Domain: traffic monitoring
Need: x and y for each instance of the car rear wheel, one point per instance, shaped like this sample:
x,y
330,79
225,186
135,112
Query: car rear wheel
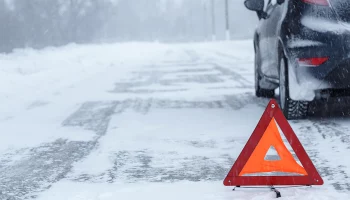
x,y
260,92
291,109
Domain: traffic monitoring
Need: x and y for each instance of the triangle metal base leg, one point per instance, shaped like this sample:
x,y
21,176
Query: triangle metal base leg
x,y
278,193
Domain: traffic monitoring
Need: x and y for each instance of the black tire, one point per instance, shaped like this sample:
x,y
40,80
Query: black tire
x,y
291,109
260,92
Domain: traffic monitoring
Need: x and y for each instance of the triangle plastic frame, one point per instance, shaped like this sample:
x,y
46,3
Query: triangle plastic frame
x,y
273,111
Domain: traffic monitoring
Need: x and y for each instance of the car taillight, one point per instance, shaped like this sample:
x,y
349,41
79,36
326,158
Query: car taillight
x,y
317,2
312,62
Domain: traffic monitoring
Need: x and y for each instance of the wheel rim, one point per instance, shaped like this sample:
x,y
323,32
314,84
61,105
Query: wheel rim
x,y
282,84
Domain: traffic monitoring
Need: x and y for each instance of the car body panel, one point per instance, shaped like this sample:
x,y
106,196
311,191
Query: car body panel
x,y
302,30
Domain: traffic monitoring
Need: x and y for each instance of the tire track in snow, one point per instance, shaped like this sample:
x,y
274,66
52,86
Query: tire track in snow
x,y
234,75
325,147
144,82
231,102
44,165
207,169
195,71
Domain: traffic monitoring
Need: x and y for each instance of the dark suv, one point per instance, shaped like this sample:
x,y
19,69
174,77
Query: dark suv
x,y
302,47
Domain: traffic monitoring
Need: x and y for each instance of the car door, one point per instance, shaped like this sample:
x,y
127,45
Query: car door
x,y
269,29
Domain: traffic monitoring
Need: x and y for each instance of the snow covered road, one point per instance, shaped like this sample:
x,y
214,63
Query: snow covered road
x,y
143,120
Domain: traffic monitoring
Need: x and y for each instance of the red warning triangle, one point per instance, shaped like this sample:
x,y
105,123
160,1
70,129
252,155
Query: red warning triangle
x,y
252,158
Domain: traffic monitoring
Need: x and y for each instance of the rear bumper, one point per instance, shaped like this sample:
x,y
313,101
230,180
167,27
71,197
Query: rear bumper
x,y
306,82
339,77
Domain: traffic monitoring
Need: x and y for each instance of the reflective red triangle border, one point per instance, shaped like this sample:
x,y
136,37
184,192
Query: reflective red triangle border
x,y
273,111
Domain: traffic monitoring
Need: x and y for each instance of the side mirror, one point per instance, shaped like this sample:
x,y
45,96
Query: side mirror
x,y
254,5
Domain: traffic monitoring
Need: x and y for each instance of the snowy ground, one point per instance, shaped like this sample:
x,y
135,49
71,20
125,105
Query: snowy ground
x,y
150,121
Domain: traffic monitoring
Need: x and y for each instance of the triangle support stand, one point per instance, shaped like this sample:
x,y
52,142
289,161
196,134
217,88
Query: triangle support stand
x,y
272,188
278,193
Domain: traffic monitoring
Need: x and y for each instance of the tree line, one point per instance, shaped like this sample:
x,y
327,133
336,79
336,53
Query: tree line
x,y
40,23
